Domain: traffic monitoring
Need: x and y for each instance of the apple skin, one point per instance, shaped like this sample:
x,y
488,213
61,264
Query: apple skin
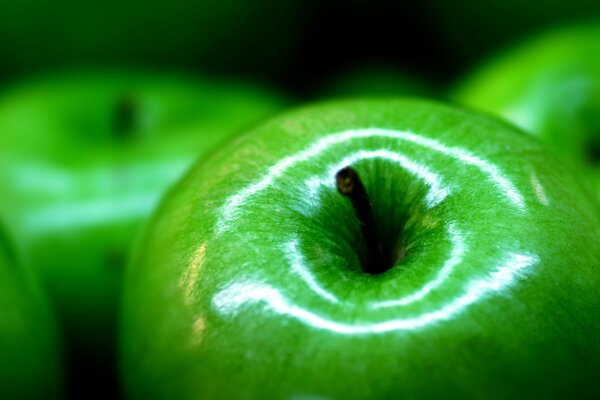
x,y
31,364
550,87
75,190
252,286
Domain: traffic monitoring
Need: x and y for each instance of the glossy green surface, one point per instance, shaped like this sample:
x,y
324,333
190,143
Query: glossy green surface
x,y
549,86
30,361
76,185
251,287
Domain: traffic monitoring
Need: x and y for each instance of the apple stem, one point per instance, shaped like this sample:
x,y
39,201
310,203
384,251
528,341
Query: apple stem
x,y
124,116
350,185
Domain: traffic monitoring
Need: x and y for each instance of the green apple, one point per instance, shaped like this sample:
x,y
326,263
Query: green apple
x,y
30,361
261,283
550,87
373,81
84,159
251,36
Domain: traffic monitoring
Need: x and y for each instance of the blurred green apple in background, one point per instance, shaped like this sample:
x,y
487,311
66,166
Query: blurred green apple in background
x,y
373,81
85,158
30,355
550,87
248,36
261,285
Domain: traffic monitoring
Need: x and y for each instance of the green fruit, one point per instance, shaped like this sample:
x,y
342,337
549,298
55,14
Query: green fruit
x,y
242,35
254,286
85,158
374,81
549,86
30,361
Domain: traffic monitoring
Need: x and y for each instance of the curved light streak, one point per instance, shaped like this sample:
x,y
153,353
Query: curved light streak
x,y
230,299
90,212
50,180
437,191
109,200
495,175
299,268
456,256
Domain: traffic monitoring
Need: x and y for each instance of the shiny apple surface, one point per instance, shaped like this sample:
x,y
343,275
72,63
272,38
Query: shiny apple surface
x,y
249,282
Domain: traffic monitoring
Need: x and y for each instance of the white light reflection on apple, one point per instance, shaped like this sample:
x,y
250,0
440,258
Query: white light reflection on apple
x,y
245,292
492,171
458,248
456,256
45,179
90,212
299,267
96,195
230,299
437,191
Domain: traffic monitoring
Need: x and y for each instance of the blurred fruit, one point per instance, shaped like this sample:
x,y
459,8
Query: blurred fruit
x,y
85,158
549,86
259,286
30,357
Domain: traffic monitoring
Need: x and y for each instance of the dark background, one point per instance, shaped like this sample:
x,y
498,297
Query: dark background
x,y
294,45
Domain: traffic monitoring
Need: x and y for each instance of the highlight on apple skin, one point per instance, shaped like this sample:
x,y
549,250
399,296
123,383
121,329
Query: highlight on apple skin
x,y
250,281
